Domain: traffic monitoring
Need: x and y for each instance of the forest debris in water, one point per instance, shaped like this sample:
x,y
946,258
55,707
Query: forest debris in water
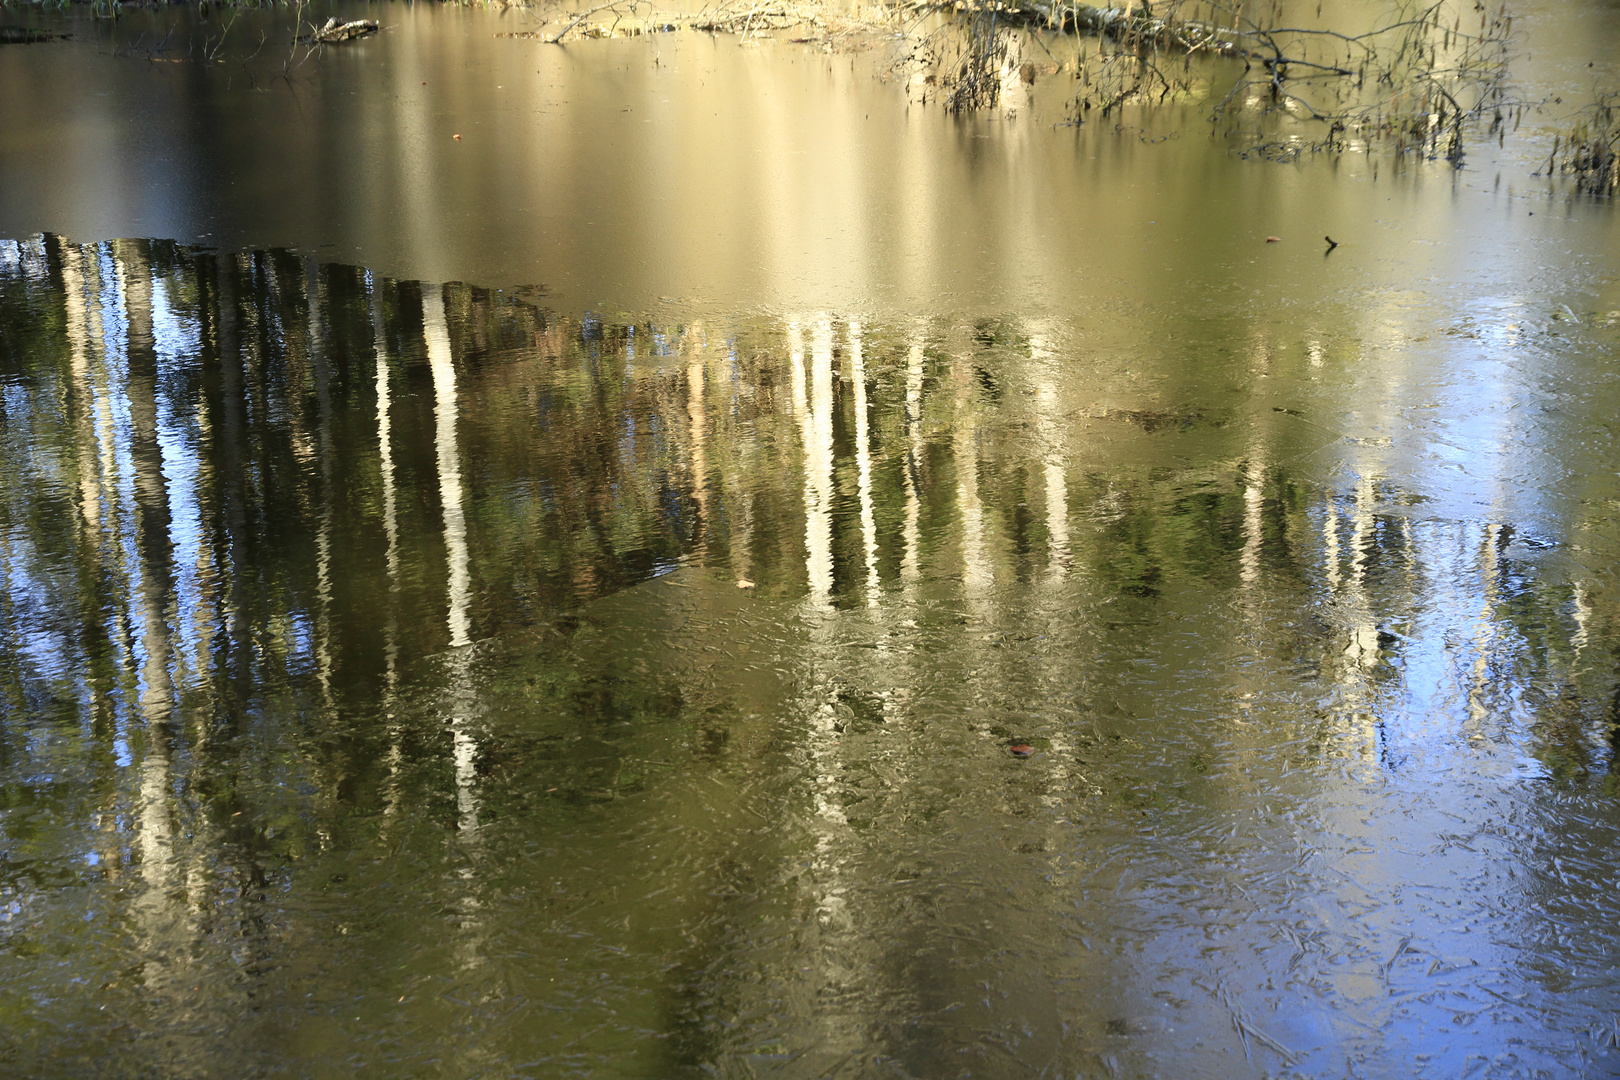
x,y
747,17
1590,151
25,35
1416,80
334,32
1133,21
1413,80
624,23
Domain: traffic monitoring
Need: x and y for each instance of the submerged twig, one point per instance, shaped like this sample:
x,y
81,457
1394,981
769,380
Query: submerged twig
x,y
583,15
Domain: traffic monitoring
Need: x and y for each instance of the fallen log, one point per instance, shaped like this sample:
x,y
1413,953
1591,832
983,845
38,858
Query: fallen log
x,y
335,33
25,35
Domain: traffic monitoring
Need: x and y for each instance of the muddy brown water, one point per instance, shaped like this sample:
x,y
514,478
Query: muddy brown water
x,y
611,667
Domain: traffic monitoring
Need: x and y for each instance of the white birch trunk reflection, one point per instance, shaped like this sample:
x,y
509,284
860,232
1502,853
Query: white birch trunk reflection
x,y
1362,649
977,574
390,515
911,556
799,393
231,330
1330,549
863,464
149,527
390,497
458,583
108,404
1360,653
81,393
1476,723
698,430
1049,414
163,925
819,467
447,450
315,296
1581,611
1254,504
834,919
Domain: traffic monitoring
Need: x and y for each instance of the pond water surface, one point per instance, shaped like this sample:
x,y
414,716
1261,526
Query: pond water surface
x,y
845,592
